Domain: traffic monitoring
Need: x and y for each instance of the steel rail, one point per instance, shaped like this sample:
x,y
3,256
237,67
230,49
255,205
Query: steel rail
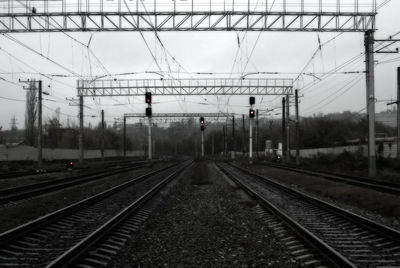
x,y
334,257
17,232
82,247
389,237
32,190
384,187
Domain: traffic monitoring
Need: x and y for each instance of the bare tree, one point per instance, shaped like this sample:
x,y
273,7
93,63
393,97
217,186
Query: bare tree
x,y
30,115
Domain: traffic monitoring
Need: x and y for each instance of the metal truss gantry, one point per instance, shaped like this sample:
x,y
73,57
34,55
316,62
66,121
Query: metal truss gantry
x,y
191,15
138,87
173,117
181,115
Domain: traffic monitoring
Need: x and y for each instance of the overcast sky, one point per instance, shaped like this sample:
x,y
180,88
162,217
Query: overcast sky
x,y
210,52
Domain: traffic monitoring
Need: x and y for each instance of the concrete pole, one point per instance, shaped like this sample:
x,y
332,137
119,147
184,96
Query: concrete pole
x,y
250,141
212,145
243,136
287,129
283,128
233,134
226,140
297,128
223,140
370,71
149,136
398,113
102,135
124,136
257,133
202,144
40,124
81,129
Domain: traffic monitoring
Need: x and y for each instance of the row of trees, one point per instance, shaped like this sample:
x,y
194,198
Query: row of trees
x,y
184,137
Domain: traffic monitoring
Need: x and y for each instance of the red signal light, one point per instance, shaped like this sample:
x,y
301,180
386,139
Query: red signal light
x,y
251,113
148,97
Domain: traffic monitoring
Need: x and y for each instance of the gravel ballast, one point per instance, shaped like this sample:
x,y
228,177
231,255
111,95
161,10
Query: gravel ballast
x,y
377,206
205,221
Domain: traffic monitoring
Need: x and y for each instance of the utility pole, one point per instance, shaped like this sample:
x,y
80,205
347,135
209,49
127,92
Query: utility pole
x,y
257,133
40,124
124,136
398,113
223,140
212,145
233,135
149,114
149,140
283,128
226,140
287,129
202,144
243,135
202,127
102,135
250,141
81,152
370,76
297,128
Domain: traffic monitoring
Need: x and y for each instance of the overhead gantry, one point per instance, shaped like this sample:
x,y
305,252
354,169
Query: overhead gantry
x,y
202,15
174,116
191,15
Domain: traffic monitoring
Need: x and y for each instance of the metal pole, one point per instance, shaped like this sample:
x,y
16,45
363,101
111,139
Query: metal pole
x,y
40,125
283,128
81,129
257,133
287,129
223,140
202,144
149,136
297,128
102,135
398,113
243,136
369,54
233,134
124,136
212,148
250,141
226,140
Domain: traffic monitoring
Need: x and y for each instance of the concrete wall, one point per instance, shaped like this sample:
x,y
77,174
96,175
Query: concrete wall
x,y
30,153
389,150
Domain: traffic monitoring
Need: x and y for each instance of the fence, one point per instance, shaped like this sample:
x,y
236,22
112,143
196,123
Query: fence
x,y
30,153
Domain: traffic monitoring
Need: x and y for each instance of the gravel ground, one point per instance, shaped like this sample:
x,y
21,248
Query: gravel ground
x,y
377,206
205,222
14,214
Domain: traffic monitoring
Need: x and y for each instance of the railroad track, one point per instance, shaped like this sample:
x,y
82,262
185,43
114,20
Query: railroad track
x,y
385,187
17,174
31,190
342,237
63,235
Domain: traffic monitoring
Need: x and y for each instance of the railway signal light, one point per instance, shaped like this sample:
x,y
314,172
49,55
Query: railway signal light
x,y
252,100
202,120
148,97
202,128
251,113
148,111
69,164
